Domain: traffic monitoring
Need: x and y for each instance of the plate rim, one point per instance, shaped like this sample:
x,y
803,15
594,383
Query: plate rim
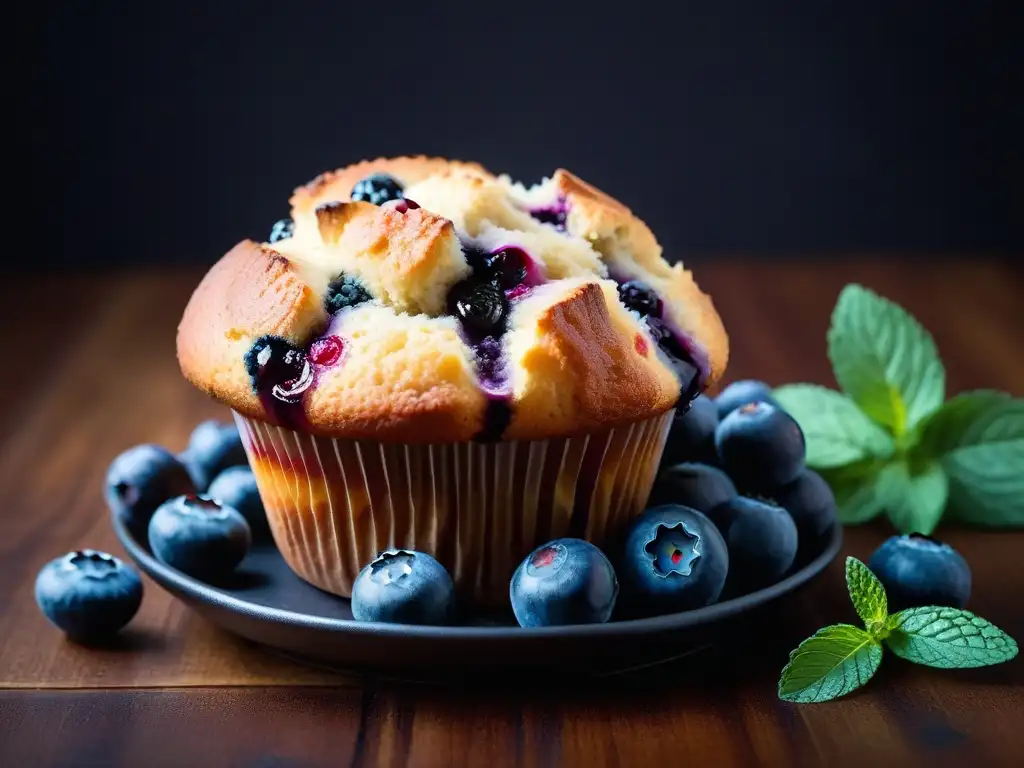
x,y
210,595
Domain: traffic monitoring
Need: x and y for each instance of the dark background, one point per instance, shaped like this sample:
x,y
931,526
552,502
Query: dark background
x,y
166,132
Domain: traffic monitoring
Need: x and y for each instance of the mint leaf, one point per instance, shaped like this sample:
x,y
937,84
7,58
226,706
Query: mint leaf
x,y
949,638
915,502
835,661
837,432
885,360
858,502
868,595
979,439
866,489
858,495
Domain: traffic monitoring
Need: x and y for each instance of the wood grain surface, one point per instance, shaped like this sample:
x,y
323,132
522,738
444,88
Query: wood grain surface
x,y
89,370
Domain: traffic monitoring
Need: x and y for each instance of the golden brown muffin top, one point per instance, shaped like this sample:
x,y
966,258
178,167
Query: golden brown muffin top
x,y
425,300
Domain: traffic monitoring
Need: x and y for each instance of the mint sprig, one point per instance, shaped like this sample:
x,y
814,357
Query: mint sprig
x,y
841,658
889,443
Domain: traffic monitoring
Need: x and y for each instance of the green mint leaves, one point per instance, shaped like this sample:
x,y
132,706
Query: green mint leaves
x,y
980,439
867,594
884,360
839,659
837,432
914,501
889,443
949,638
835,661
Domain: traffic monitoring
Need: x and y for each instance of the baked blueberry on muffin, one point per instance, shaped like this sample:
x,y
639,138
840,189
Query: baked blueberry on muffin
x,y
430,357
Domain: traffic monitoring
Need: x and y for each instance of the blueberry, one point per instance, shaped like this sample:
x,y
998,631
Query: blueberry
x,y
278,368
235,487
919,570
213,447
479,261
140,480
345,291
282,230
378,189
685,369
742,392
692,436
762,540
760,446
403,587
697,486
199,537
675,559
508,267
566,581
480,306
810,502
89,595
640,298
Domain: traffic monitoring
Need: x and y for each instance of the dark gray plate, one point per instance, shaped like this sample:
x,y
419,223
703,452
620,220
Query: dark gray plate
x,y
267,603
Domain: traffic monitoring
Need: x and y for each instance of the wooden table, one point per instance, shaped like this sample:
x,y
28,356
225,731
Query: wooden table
x,y
89,369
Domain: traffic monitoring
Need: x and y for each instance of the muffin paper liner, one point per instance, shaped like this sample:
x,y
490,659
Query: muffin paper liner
x,y
479,508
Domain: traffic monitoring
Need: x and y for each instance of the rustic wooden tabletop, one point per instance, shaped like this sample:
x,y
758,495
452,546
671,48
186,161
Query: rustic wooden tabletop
x,y
90,369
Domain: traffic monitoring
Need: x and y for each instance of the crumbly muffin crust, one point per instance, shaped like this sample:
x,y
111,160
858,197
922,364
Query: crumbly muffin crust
x,y
406,360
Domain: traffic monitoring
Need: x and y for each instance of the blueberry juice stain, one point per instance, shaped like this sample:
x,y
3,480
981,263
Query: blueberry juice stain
x,y
494,379
482,303
507,267
644,300
555,214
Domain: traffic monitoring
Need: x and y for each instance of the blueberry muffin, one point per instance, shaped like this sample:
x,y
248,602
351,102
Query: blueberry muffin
x,y
429,356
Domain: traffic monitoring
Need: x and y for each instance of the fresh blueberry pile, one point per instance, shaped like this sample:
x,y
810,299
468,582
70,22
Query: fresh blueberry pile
x,y
91,595
739,460
206,529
